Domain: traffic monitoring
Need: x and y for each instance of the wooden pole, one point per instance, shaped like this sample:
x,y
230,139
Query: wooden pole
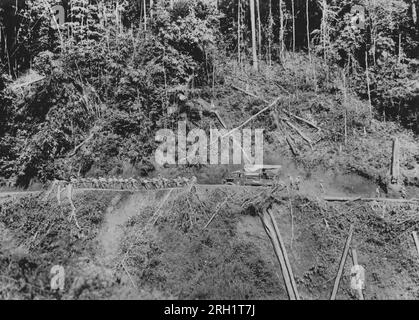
x,y
342,263
395,163
355,263
415,237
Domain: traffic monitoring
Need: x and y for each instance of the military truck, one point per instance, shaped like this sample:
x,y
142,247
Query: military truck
x,y
254,175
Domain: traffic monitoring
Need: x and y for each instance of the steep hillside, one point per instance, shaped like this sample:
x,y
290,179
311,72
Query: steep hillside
x,y
203,245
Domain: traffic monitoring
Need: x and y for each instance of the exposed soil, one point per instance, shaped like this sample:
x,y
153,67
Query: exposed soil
x,y
156,245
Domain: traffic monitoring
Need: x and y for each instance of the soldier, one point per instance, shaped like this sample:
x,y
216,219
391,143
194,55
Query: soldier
x,y
79,182
160,181
121,182
137,183
147,184
2,182
166,183
291,182
131,183
82,182
96,183
173,183
151,183
194,180
74,182
11,182
179,181
156,183
377,192
297,183
403,192
102,183
185,181
142,183
112,182
108,183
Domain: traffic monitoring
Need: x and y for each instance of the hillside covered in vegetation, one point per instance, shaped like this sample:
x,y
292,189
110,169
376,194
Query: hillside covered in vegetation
x,y
87,97
85,85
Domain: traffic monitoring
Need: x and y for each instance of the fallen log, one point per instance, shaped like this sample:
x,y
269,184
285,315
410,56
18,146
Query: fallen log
x,y
342,263
345,199
289,114
300,133
247,92
81,145
272,104
287,137
220,119
284,253
292,147
302,119
216,212
270,231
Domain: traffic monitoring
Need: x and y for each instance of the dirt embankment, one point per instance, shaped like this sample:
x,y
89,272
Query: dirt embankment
x,y
202,245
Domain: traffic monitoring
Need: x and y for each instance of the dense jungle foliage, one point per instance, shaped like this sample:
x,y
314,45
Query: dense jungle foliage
x,y
87,97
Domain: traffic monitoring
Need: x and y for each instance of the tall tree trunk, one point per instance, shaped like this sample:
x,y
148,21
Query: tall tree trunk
x,y
259,30
270,35
281,29
399,59
308,30
253,25
238,31
145,14
324,29
151,8
368,83
293,25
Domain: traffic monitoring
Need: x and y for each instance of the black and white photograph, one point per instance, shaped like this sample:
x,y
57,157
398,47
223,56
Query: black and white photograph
x,y
231,152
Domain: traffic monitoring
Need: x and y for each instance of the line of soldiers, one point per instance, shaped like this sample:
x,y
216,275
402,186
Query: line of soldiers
x,y
7,183
130,183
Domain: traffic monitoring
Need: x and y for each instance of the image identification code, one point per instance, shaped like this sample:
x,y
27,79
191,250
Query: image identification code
x,y
212,309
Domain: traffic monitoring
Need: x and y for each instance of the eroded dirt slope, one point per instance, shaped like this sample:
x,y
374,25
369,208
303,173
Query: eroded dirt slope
x,y
202,245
